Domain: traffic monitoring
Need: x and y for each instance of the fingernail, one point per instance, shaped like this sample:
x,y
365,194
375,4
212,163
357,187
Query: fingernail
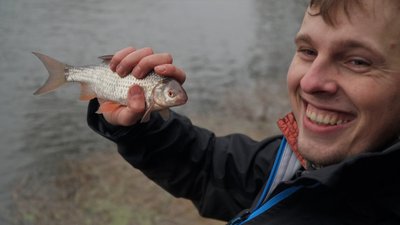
x,y
120,70
112,66
135,91
160,69
137,72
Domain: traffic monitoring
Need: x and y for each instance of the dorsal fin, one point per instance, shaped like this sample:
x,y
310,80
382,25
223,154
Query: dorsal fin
x,y
106,58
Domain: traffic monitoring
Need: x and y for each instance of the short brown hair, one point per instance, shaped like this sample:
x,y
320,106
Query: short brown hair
x,y
328,8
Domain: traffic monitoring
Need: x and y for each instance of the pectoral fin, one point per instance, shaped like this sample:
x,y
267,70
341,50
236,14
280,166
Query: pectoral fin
x,y
165,114
146,116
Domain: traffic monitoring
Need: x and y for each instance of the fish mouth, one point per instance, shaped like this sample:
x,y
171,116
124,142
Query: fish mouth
x,y
180,99
327,117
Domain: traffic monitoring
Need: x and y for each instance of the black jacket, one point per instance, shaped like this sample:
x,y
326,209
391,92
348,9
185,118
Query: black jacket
x,y
222,176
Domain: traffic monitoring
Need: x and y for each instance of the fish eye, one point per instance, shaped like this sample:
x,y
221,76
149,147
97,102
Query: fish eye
x,y
171,93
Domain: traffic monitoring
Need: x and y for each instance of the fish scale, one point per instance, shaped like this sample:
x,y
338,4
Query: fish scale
x,y
108,85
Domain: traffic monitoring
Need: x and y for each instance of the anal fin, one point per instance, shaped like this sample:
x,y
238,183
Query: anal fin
x,y
108,106
86,93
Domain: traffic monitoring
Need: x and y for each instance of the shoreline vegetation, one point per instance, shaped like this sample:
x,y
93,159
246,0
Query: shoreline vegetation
x,y
100,188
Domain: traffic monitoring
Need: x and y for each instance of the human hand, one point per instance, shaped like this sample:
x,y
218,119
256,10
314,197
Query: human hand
x,y
138,63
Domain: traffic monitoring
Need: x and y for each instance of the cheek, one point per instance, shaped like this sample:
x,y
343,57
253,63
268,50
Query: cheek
x,y
379,108
393,111
293,78
373,96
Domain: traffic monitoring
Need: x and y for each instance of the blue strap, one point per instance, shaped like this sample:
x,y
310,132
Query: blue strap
x,y
273,201
272,173
261,207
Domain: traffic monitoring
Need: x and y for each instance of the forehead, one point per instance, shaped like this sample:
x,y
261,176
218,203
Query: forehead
x,y
372,17
333,11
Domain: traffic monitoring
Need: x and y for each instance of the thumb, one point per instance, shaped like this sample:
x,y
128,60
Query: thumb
x,y
133,112
136,100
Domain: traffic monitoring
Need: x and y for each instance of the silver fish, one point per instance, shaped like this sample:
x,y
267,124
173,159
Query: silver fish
x,y
99,81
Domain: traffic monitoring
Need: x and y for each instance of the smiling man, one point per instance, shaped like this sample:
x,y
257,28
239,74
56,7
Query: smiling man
x,y
344,81
338,158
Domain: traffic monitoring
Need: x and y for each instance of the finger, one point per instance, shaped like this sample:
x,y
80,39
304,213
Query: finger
x,y
135,107
172,71
131,60
112,117
130,114
146,64
118,56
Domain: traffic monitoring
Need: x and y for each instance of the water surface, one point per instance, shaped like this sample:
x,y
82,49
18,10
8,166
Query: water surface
x,y
227,46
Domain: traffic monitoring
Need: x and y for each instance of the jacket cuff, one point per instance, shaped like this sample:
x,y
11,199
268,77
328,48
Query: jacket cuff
x,y
115,133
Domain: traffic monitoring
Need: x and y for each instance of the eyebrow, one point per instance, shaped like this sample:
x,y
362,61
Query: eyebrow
x,y
302,38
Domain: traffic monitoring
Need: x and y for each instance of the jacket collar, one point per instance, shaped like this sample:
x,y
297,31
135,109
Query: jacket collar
x,y
289,129
371,175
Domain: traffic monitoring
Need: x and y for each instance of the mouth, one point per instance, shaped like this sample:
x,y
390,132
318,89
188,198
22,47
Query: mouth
x,y
324,117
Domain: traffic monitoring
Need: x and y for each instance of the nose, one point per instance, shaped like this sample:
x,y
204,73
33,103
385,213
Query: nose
x,y
320,77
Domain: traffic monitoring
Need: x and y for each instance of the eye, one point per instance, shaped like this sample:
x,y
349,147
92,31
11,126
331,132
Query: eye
x,y
171,93
359,62
359,65
307,53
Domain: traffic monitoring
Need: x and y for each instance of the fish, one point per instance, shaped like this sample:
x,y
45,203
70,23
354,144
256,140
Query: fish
x,y
99,81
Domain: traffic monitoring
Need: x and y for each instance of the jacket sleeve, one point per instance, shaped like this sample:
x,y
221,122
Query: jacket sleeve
x,y
220,175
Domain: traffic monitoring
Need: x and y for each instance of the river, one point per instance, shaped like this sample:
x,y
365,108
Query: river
x,y
226,47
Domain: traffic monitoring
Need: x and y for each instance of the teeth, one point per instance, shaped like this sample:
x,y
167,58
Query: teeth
x,y
320,118
327,120
313,116
324,118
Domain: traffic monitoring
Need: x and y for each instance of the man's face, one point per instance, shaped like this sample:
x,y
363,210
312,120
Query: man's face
x,y
344,82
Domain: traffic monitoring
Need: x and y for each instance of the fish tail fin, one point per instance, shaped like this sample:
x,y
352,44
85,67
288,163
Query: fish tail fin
x,y
56,71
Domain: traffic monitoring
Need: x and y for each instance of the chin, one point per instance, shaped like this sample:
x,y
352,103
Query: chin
x,y
320,154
